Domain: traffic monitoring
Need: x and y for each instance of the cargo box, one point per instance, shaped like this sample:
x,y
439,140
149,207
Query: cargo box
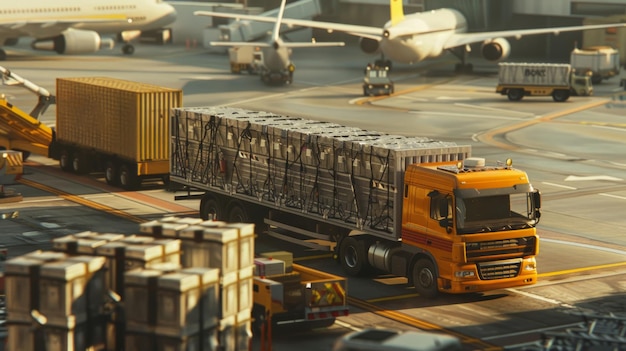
x,y
114,116
178,304
229,294
140,286
63,285
264,267
210,294
538,74
245,277
284,256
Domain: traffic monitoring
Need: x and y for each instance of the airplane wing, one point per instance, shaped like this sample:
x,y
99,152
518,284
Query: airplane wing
x,y
356,30
313,44
239,44
460,39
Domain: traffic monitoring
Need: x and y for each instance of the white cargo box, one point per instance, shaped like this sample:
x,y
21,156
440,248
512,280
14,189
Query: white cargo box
x,y
538,74
284,256
264,267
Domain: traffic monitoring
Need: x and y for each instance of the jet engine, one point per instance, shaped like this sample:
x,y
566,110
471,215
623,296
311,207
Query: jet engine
x,y
369,46
73,41
496,49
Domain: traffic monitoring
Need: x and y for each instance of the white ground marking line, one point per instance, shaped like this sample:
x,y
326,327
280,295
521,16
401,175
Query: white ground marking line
x,y
494,109
573,178
613,196
538,330
40,200
540,298
465,115
586,246
346,325
559,185
610,128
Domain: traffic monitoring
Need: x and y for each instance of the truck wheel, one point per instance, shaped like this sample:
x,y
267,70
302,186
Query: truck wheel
x,y
210,207
79,164
65,161
425,278
110,173
237,213
353,256
128,179
560,95
515,94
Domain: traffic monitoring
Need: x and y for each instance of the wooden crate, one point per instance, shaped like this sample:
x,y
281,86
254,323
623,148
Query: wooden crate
x,y
245,281
229,295
140,286
178,304
246,243
62,291
209,298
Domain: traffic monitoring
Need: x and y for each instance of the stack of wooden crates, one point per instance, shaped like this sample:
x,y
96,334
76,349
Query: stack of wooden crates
x,y
183,284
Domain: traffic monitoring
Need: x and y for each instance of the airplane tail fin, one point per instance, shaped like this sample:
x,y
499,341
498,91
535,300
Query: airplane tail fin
x,y
281,12
396,10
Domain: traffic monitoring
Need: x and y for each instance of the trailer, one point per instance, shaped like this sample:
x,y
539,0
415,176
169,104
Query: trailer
x,y
516,80
244,58
113,126
411,206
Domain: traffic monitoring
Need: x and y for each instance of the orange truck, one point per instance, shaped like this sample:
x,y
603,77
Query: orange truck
x,y
414,207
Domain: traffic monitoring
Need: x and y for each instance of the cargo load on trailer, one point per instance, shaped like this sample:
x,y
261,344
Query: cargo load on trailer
x,y
415,207
516,80
601,62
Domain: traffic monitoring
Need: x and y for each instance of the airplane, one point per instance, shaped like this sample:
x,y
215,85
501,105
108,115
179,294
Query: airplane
x,y
419,36
74,26
276,66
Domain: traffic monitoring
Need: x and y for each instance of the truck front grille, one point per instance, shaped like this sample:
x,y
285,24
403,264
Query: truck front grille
x,y
499,269
506,248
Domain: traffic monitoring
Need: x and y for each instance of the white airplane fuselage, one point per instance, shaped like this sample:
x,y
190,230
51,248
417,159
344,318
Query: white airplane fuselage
x,y
420,36
47,18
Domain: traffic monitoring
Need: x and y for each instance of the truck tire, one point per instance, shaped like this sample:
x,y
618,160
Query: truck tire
x,y
110,173
425,278
560,95
515,94
237,213
65,161
128,179
210,208
79,164
353,256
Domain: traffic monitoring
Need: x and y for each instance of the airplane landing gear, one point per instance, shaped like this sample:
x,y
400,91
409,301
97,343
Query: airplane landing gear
x,y
128,49
462,53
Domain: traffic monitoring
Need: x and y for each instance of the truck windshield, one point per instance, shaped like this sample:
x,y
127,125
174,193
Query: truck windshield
x,y
489,210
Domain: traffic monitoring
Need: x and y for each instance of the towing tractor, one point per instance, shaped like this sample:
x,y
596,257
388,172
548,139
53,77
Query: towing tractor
x,y
376,81
517,80
411,206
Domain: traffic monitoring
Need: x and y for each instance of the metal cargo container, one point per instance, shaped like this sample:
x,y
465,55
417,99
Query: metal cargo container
x,y
552,74
115,126
349,177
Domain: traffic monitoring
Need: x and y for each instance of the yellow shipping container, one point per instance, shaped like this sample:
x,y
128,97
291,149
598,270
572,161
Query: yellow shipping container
x,y
116,126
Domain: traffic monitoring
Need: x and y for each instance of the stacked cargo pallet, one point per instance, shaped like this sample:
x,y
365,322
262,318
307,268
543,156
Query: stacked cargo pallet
x,y
108,291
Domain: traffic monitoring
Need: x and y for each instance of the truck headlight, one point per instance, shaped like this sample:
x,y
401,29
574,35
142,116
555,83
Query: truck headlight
x,y
530,266
464,274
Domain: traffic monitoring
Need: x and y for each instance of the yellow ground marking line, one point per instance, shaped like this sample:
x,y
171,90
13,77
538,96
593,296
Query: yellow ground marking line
x,y
82,201
488,137
583,269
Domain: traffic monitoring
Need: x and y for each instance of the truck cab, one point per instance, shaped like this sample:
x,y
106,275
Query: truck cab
x,y
581,84
376,81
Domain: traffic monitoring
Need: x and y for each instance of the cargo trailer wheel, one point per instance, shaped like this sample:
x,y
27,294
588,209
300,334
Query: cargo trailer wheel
x,y
65,161
560,95
237,213
210,208
515,94
425,278
353,256
128,179
110,173
79,164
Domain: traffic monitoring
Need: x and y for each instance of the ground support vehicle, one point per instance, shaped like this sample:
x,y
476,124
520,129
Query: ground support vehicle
x,y
601,62
516,80
11,169
23,131
273,77
113,126
303,296
376,81
414,207
243,59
